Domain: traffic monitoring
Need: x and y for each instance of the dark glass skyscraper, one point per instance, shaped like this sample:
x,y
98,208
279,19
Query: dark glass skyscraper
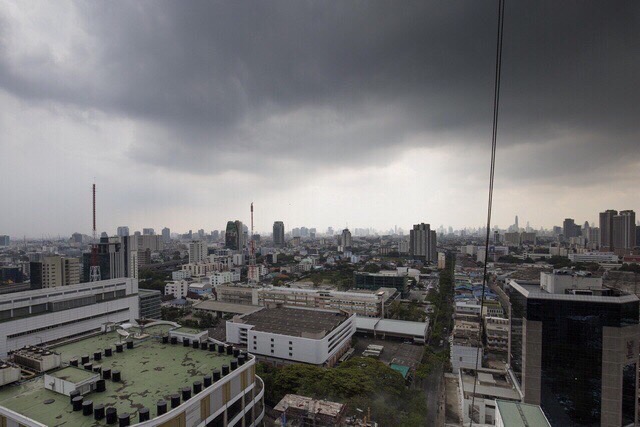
x,y
575,352
278,233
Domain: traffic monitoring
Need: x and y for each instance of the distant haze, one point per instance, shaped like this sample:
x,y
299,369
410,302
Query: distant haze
x,y
371,114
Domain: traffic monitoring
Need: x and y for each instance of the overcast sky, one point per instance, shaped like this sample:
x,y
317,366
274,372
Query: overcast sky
x,y
371,114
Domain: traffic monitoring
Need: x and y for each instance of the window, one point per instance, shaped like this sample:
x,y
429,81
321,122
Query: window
x,y
290,354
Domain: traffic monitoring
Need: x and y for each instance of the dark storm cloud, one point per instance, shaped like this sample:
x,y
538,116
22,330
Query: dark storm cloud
x,y
318,84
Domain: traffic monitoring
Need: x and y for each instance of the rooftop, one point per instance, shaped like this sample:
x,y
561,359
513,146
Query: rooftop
x,y
294,321
307,404
535,291
225,307
150,371
516,414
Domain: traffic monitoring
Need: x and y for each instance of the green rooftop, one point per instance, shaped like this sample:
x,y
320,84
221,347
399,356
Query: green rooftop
x,y
72,374
516,414
150,371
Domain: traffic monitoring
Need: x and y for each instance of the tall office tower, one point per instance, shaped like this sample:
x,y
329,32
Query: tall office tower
x,y
586,229
516,224
330,231
594,237
54,271
606,229
278,233
345,238
422,242
624,231
240,230
215,235
166,234
4,240
123,231
111,259
569,228
304,232
234,235
496,237
148,232
197,251
201,234
574,349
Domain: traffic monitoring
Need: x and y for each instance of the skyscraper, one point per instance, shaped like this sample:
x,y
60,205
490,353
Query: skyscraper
x,y
278,233
234,234
606,229
574,349
166,235
111,259
569,228
422,242
123,231
148,232
55,271
624,231
345,239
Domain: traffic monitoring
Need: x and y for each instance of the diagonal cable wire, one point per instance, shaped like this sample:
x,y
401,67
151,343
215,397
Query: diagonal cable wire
x,y
494,136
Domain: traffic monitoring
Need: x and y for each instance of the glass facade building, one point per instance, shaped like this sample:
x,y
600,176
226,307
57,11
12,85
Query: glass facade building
x,y
574,355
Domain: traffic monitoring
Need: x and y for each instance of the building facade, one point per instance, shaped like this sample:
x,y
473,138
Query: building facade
x,y
575,352
197,251
150,304
278,233
422,242
54,271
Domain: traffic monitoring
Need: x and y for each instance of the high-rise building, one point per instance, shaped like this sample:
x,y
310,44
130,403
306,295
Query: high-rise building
x,y
422,242
345,239
111,259
4,240
606,229
55,271
148,232
594,237
166,235
624,231
278,233
569,228
234,235
574,349
197,251
215,235
123,231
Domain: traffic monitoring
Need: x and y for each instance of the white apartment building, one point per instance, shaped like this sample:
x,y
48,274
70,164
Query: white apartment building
x,y
293,335
180,275
43,315
221,277
497,331
562,281
238,259
364,303
177,288
597,257
200,269
197,251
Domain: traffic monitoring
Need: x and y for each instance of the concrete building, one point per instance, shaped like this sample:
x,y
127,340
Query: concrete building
x,y
208,384
43,315
305,411
222,309
383,279
166,235
238,294
293,335
363,303
442,260
150,302
178,288
497,331
148,232
278,233
595,257
111,259
200,288
482,388
123,231
569,228
624,232
606,229
5,240
345,239
516,414
221,277
394,329
197,251
54,271
422,242
466,345
234,235
574,349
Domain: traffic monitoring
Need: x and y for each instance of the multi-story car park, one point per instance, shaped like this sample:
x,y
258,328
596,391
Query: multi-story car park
x,y
153,376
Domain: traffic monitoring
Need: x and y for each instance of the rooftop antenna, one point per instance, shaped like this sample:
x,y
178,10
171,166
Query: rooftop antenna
x,y
94,274
253,269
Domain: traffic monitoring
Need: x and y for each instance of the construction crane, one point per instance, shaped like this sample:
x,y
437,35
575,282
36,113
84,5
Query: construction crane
x,y
94,272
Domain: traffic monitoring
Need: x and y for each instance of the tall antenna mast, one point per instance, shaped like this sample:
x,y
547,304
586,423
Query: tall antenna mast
x,y
253,269
94,273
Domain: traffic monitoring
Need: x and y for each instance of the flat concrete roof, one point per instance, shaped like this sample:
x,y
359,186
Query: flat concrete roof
x,y
516,414
294,321
72,374
150,371
226,307
392,326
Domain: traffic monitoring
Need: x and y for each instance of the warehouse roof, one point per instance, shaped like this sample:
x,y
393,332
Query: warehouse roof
x,y
293,321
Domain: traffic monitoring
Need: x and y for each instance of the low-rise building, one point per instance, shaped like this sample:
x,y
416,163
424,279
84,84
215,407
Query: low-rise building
x,y
383,279
177,288
497,334
238,294
150,304
293,335
303,411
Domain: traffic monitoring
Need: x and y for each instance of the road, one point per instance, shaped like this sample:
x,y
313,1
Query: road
x,y
432,388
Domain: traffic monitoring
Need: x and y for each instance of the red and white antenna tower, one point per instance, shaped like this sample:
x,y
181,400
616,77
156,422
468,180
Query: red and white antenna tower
x,y
253,268
94,274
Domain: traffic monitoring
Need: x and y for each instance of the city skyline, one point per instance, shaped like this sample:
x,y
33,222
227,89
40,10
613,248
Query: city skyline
x,y
341,113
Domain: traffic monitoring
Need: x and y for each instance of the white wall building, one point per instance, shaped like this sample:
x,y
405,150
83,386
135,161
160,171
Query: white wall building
x,y
561,281
42,315
197,251
597,257
294,335
178,288
180,275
